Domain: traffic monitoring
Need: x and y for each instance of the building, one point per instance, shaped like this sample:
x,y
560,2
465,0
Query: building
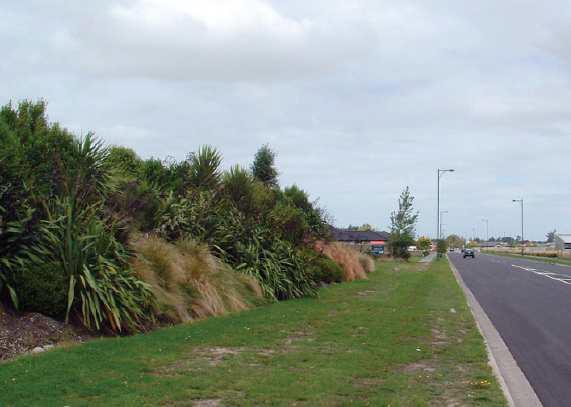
x,y
367,240
563,242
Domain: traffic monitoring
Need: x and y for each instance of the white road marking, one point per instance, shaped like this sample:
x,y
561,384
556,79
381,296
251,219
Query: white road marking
x,y
565,279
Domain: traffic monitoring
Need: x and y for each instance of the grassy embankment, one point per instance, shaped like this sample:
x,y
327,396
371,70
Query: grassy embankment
x,y
403,337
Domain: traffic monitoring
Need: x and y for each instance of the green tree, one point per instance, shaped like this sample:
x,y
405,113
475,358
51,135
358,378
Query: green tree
x,y
441,247
454,241
551,236
205,168
424,243
263,167
403,223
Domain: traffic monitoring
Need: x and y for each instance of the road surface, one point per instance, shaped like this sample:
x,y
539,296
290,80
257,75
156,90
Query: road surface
x,y
529,303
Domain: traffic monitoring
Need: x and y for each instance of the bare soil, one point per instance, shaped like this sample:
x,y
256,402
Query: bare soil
x,y
24,333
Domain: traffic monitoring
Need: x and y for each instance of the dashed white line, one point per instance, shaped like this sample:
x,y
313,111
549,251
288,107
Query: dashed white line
x,y
563,279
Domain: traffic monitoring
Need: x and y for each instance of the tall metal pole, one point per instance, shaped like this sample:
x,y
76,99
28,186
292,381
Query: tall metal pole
x,y
439,172
522,238
438,205
487,229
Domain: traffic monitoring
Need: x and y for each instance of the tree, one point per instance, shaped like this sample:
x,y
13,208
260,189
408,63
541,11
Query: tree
x,y
365,227
263,167
455,241
403,223
551,236
441,247
424,243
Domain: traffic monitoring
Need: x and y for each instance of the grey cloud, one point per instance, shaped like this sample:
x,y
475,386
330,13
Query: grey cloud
x,y
358,98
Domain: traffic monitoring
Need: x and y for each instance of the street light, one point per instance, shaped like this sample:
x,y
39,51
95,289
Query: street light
x,y
440,172
441,221
521,202
487,229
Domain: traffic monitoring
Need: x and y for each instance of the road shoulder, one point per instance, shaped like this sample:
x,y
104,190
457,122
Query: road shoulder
x,y
513,382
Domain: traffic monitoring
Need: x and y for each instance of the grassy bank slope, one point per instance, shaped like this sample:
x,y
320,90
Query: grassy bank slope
x,y
403,337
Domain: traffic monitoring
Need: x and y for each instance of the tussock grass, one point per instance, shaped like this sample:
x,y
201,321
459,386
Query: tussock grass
x,y
367,262
189,282
347,257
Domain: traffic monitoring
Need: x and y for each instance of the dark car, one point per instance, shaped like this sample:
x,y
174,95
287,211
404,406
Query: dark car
x,y
469,253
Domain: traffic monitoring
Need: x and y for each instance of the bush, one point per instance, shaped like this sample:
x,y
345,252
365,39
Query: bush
x,y
367,262
43,288
325,270
102,292
189,282
344,256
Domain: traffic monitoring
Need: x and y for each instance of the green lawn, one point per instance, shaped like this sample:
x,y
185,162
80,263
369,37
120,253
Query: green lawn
x,y
404,337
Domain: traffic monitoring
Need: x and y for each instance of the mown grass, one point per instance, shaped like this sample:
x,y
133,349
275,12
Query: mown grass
x,y
403,337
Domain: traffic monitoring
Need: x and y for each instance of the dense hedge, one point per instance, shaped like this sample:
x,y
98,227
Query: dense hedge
x,y
71,207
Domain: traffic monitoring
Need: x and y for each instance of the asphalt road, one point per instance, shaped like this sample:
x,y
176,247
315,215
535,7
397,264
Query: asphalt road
x,y
529,303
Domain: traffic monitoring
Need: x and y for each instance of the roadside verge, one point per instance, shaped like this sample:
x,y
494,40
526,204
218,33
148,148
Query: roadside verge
x,y
512,380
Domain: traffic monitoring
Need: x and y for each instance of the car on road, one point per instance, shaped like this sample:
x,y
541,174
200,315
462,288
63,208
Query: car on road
x,y
469,253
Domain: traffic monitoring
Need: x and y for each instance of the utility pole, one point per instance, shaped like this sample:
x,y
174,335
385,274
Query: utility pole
x,y
487,229
522,239
439,174
441,221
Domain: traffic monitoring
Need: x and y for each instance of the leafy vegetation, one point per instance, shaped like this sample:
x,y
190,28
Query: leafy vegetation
x,y
403,222
98,236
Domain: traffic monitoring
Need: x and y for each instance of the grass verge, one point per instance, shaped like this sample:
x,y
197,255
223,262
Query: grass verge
x,y
403,337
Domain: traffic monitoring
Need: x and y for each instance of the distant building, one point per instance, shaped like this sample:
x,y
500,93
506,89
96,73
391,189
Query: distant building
x,y
374,241
563,242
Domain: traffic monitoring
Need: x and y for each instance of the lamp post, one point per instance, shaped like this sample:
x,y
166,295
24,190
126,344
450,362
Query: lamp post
x,y
487,229
441,222
439,174
522,240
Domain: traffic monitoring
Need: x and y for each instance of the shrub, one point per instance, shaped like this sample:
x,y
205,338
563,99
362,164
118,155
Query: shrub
x,y
279,268
289,222
42,288
101,290
189,282
323,269
367,262
345,256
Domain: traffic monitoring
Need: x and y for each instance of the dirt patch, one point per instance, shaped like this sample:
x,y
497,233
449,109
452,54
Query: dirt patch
x,y
34,333
368,382
296,337
418,367
439,338
366,293
207,403
198,359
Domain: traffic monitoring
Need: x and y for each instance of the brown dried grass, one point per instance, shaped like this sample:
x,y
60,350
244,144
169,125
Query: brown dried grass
x,y
189,282
367,262
346,257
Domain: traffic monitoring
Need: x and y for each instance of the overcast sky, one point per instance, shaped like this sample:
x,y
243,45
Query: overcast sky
x,y
358,98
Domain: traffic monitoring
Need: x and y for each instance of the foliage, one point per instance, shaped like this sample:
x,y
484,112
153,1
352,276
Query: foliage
x,y
424,244
188,282
69,207
403,222
101,290
124,161
455,241
204,169
278,267
441,247
550,237
344,255
365,227
263,167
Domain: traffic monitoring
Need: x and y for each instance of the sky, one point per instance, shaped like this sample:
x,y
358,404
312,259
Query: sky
x,y
358,98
